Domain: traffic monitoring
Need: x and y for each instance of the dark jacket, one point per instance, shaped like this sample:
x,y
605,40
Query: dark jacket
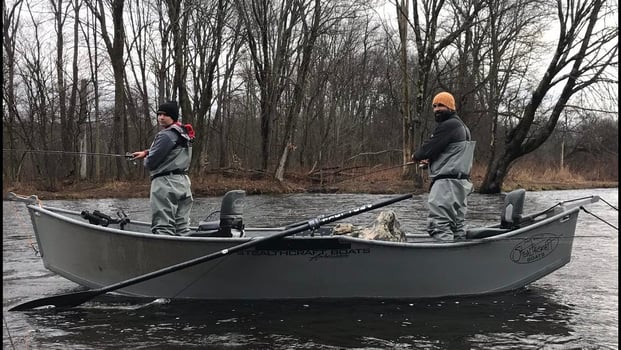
x,y
449,149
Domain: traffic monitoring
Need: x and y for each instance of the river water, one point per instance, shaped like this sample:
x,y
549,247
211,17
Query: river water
x,y
576,307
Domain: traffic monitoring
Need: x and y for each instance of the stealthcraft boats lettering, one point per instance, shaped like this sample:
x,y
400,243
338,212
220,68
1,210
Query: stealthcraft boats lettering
x,y
313,255
534,248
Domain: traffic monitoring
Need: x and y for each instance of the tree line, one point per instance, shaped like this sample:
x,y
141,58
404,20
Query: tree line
x,y
288,85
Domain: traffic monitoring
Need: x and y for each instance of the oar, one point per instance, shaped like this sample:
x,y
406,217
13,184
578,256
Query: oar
x,y
77,298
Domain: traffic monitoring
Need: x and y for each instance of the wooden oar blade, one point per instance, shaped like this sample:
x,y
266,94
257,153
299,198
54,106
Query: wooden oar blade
x,y
58,301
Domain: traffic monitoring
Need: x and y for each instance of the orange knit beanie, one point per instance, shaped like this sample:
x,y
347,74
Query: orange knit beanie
x,y
446,99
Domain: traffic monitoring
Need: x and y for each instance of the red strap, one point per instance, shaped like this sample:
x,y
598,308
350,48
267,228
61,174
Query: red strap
x,y
188,128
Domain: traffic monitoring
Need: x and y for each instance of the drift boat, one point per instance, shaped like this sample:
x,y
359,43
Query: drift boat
x,y
222,260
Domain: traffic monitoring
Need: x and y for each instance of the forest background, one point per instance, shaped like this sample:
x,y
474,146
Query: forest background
x,y
298,95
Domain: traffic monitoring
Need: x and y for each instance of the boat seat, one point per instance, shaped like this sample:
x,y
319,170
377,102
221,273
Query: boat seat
x,y
510,217
231,218
482,232
512,209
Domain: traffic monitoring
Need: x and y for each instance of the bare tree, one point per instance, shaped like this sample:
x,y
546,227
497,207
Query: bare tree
x,y
89,30
224,115
432,36
592,135
38,124
403,10
580,61
269,36
260,78
308,37
210,38
347,88
141,44
162,82
67,92
177,14
10,25
486,64
115,47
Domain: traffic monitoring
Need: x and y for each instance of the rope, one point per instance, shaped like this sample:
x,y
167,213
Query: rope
x,y
597,217
29,200
610,205
31,244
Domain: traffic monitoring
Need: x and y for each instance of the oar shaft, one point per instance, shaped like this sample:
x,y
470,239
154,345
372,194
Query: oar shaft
x,y
361,209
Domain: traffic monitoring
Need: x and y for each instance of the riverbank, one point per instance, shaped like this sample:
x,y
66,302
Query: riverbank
x,y
218,184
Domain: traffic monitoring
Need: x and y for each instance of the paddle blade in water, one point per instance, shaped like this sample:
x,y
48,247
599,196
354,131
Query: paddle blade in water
x,y
59,301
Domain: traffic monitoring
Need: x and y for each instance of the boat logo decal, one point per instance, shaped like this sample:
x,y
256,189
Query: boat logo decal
x,y
311,254
534,248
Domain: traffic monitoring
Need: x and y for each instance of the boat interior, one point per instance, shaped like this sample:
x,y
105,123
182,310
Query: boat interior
x,y
228,221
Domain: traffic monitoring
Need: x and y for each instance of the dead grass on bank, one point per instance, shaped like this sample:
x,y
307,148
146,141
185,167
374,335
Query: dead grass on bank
x,y
80,190
374,180
533,178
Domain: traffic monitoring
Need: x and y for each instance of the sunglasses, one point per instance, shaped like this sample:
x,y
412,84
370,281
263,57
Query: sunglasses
x,y
437,105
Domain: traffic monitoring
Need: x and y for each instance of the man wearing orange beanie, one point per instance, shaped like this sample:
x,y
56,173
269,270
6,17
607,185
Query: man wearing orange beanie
x,y
449,152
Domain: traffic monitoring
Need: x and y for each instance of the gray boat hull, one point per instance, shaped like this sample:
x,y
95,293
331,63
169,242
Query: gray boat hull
x,y
301,267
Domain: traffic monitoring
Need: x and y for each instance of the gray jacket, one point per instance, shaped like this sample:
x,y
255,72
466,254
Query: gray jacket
x,y
171,150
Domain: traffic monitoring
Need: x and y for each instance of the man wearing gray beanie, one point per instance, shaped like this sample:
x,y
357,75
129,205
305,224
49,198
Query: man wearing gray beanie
x,y
168,161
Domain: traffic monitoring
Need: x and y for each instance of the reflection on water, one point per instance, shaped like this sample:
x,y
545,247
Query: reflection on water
x,y
509,318
575,307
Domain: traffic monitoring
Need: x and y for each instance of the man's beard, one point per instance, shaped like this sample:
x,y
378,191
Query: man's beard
x,y
441,116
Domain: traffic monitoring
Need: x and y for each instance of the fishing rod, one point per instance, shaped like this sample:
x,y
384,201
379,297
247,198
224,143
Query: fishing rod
x,y
126,155
420,166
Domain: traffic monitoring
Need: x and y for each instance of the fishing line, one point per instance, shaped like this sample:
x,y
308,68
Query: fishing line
x,y
6,325
373,172
199,277
126,155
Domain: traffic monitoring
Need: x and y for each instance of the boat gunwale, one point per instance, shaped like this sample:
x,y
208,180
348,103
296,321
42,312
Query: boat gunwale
x,y
51,211
511,234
